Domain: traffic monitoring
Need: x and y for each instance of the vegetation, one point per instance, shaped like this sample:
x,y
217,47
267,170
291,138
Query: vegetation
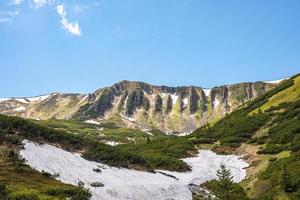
x,y
19,182
224,188
277,114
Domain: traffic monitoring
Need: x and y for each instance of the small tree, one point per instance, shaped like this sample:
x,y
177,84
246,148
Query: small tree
x,y
3,192
284,180
225,183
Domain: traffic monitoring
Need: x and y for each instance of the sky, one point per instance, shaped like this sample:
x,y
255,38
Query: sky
x,y
82,45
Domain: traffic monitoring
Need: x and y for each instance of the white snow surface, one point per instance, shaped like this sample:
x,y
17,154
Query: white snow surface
x,y
111,143
21,100
206,92
276,81
20,109
4,99
174,98
184,134
38,98
216,102
185,102
120,183
92,121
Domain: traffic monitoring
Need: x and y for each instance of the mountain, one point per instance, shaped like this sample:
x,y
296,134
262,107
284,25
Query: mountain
x,y
140,105
268,127
265,130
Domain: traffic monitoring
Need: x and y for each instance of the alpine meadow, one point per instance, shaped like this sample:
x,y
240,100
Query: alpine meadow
x,y
149,100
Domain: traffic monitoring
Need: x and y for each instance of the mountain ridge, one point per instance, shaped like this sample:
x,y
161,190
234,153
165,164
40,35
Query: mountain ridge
x,y
137,104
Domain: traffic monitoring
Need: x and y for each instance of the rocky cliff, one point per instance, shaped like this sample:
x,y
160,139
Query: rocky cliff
x,y
140,105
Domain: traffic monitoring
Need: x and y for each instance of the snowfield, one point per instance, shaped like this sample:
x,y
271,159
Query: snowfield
x,y
120,183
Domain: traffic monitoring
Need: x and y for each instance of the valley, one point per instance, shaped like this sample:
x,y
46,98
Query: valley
x,y
265,130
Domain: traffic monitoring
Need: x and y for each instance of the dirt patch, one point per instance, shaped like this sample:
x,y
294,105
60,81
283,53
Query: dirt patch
x,y
249,153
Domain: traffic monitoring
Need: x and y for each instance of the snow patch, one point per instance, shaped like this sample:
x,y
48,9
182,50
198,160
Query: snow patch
x,y
216,102
276,81
128,118
111,143
206,92
38,98
184,134
4,99
174,98
92,121
20,109
22,100
185,102
120,183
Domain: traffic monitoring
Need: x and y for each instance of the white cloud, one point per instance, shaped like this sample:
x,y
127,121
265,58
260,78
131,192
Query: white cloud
x,y
78,9
16,2
4,19
40,3
71,27
7,16
12,13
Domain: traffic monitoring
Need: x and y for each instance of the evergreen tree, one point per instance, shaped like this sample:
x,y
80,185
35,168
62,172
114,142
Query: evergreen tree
x,y
225,183
284,178
3,192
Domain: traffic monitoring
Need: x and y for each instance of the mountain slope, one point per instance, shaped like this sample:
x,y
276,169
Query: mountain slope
x,y
140,105
272,124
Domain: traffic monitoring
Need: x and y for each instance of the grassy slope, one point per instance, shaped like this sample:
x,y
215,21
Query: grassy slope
x,y
21,180
271,122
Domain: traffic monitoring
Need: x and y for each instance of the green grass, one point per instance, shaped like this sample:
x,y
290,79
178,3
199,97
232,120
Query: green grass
x,y
103,132
288,95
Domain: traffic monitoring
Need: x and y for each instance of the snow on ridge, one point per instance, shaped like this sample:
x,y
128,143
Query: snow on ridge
x,y
120,183
276,81
38,98
22,100
206,91
20,109
4,99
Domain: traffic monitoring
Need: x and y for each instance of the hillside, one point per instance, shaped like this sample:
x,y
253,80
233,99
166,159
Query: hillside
x,y
141,105
267,127
272,124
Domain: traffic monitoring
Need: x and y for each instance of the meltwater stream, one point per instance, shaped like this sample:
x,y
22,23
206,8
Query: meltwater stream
x,y
127,184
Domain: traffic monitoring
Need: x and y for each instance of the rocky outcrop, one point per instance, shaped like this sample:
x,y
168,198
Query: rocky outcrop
x,y
140,105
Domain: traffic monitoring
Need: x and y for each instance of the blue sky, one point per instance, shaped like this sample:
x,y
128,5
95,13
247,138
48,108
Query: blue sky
x,y
79,46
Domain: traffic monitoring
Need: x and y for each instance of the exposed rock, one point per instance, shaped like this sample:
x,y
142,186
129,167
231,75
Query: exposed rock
x,y
170,109
97,170
97,184
80,184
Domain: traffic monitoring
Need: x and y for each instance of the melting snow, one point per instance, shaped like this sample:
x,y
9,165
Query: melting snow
x,y
174,98
92,121
38,98
111,143
207,92
216,102
128,118
22,100
20,109
276,81
185,102
120,183
4,99
184,134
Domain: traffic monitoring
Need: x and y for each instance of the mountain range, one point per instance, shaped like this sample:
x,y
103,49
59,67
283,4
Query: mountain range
x,y
133,104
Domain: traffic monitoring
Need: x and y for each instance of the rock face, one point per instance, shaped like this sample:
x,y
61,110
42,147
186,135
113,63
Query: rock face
x,y
140,105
